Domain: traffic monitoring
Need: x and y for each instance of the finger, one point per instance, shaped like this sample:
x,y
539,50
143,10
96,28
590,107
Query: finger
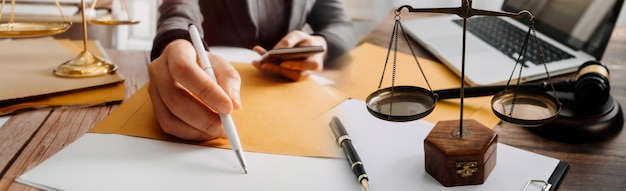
x,y
257,64
292,39
307,64
180,104
295,75
184,69
228,78
173,125
259,49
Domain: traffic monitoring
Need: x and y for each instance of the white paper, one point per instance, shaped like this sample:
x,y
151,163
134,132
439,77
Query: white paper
x,y
236,54
4,119
392,152
393,155
118,162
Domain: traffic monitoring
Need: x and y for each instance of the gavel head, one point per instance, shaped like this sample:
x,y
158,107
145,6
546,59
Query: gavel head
x,y
592,87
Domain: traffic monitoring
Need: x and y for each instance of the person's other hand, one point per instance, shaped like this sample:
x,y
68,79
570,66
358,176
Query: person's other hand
x,y
186,101
294,69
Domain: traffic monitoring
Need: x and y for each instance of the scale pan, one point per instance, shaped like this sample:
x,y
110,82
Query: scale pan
x,y
112,22
403,103
525,107
17,30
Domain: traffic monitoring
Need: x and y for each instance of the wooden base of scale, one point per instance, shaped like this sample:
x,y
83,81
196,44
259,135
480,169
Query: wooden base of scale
x,y
454,160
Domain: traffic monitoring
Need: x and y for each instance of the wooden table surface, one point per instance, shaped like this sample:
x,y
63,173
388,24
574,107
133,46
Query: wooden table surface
x,y
598,165
29,138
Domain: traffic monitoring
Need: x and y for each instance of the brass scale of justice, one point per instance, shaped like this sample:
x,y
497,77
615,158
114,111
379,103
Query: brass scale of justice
x,y
463,152
85,64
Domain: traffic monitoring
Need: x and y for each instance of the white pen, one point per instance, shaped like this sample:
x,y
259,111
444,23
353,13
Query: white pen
x,y
227,121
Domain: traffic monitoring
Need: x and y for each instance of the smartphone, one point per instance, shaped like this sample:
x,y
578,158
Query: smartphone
x,y
296,53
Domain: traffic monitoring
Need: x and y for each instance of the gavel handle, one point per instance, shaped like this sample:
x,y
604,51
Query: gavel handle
x,y
478,91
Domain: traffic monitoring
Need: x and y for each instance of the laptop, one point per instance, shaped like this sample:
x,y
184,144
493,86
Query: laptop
x,y
571,33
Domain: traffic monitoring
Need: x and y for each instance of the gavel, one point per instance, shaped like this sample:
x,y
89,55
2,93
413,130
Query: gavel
x,y
591,86
588,112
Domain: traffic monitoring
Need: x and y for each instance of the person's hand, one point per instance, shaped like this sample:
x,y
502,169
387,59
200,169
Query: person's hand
x,y
294,69
186,101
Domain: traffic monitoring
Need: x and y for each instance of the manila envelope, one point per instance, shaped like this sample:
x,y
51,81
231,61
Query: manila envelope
x,y
27,82
363,69
278,116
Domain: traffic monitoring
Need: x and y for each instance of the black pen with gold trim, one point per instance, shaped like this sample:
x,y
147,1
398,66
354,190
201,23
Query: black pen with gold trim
x,y
345,142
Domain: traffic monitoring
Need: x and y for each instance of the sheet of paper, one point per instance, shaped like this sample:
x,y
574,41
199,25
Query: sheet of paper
x,y
392,154
77,98
80,97
31,62
117,162
269,106
3,120
235,54
277,116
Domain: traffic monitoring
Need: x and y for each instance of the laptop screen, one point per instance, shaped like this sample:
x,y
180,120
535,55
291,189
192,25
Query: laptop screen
x,y
582,25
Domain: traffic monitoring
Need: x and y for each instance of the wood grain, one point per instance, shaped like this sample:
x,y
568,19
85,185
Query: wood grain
x,y
443,149
593,166
28,138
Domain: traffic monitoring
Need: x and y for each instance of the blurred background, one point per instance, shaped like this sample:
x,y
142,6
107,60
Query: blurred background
x,y
366,14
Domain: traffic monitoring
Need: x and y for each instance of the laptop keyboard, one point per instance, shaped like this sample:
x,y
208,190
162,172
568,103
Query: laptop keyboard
x,y
509,39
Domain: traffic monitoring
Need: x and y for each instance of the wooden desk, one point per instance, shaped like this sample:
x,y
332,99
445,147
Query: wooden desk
x,y
593,166
29,138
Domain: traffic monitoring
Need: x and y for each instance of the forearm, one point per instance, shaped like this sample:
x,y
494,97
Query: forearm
x,y
175,17
330,20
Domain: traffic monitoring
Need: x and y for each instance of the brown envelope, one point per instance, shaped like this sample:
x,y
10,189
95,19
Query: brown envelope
x,y
27,82
79,98
292,117
363,73
277,116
